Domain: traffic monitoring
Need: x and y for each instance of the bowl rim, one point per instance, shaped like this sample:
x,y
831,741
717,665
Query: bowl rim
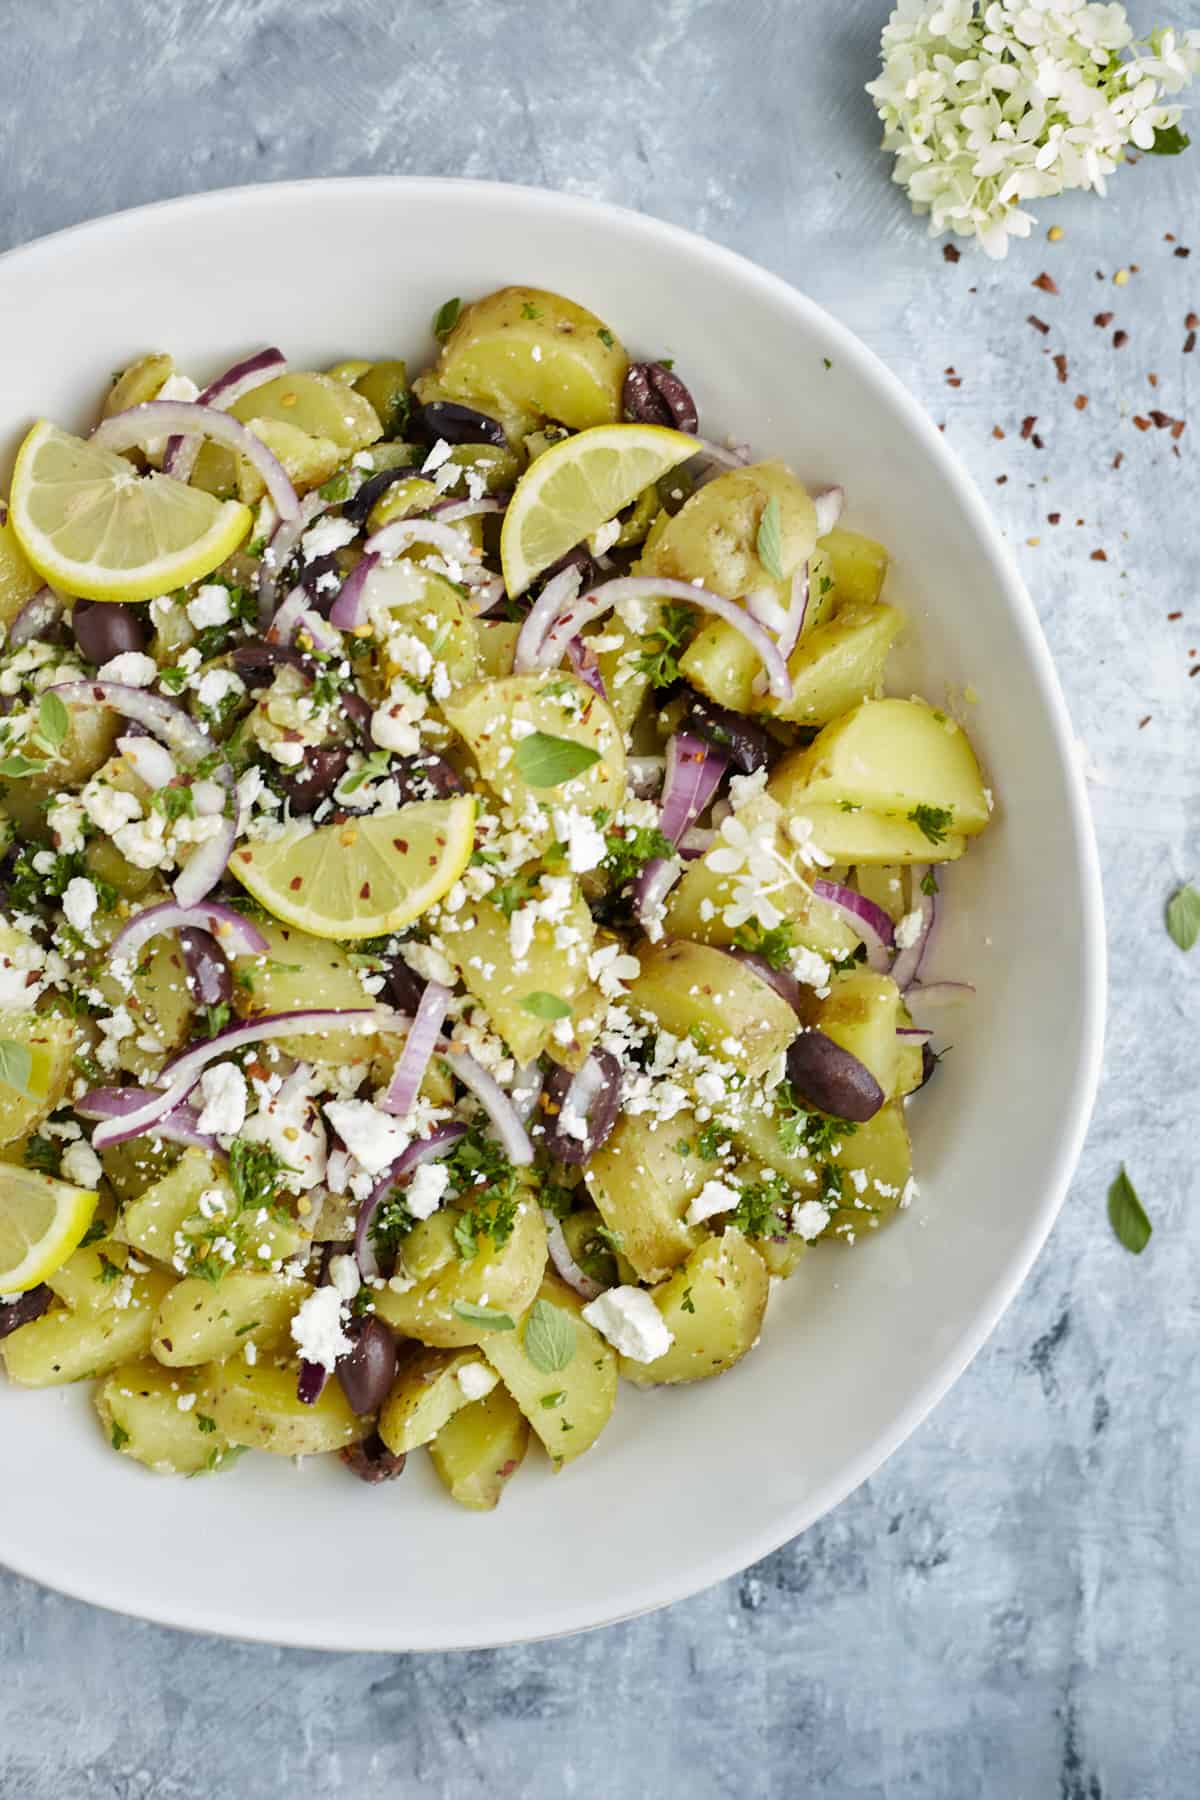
x,y
103,1588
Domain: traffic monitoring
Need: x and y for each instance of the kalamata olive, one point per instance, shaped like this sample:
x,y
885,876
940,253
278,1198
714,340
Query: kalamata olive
x,y
652,395
929,1062
209,977
24,1309
372,1461
315,580
579,558
315,778
358,711
456,424
427,778
746,744
404,987
368,1371
832,1079
104,630
256,663
598,1097
373,489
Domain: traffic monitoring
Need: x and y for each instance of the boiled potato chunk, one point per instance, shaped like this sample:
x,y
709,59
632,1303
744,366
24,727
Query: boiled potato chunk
x,y
65,1346
158,998
308,461
477,1452
840,663
696,909
438,1309
857,566
300,971
713,1307
858,836
897,757
567,1407
721,663
154,1221
861,1012
497,646
19,581
880,1151
424,605
50,1040
481,948
140,382
139,1410
315,404
713,538
201,1321
258,1406
86,1280
495,718
695,991
425,1396
642,1181
525,353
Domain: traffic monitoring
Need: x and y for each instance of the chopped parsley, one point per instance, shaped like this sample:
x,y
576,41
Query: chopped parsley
x,y
774,946
935,821
488,1189
929,883
606,337
660,658
800,1130
28,889
709,1141
119,1437
760,1211
687,1304
630,849
42,1154
446,317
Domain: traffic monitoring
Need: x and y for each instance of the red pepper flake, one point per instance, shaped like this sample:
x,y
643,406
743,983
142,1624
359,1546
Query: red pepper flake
x,y
954,381
1000,480
1135,268
1099,555
1054,518
1118,459
1142,723
1036,441
1028,424
1183,251
296,883
364,892
1168,237
1081,401
1189,343
997,432
401,845
1175,615
1103,320
1153,380
1120,338
1192,322
1142,424
1195,669
1178,429
1046,283
1039,324
1161,419
1060,363
950,254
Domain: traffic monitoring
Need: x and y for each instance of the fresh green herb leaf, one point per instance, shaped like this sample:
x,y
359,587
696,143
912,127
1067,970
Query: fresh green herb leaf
x,y
1169,140
546,1006
376,763
769,543
683,1147
212,1019
551,1401
629,849
606,337
665,362
544,761
42,1154
510,896
486,1316
614,1239
774,946
687,1304
555,1197
174,680
529,310
760,1210
17,767
709,1140
1127,1215
174,803
659,660
827,362
205,1423
16,1065
446,317
801,1131
549,1337
257,1174
849,806
929,883
935,821
392,1224
337,488
54,722
108,1272
1183,916
119,1437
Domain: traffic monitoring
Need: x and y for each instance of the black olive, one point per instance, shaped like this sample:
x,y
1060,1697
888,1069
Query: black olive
x,y
367,1372
209,977
832,1078
456,424
24,1309
104,630
372,1461
652,395
315,778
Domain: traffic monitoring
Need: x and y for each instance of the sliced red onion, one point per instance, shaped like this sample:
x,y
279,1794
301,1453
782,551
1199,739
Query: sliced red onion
x,y
310,1383
183,1071
162,717
797,609
514,1138
586,665
560,1255
647,587
907,965
558,592
401,534
438,1144
209,860
448,511
871,923
937,993
923,1032
284,543
179,1126
767,610
782,980
162,418
419,1046
231,928
179,458
694,773
39,613
346,610
652,886
484,596
297,612
828,503
697,840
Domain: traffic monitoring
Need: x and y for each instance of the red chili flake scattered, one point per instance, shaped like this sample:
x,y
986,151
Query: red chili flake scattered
x,y
1120,338
1142,723
1189,343
1103,320
1192,322
1046,283
950,254
1161,419
954,381
401,845
433,862
1054,518
1178,429
1183,251
1195,669
1081,401
949,369
997,432
1028,424
1118,459
1060,363
1168,237
1142,424
1000,480
1153,380
1099,555
1039,324
246,855
364,892
296,883
1135,268
1037,442
1175,615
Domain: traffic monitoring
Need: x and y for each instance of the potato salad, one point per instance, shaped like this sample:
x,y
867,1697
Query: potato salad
x,y
464,895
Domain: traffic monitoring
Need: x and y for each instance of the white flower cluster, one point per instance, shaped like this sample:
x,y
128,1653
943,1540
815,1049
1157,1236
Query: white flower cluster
x,y
989,105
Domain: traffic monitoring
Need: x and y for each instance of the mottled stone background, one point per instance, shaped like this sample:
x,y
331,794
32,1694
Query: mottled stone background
x,y
1010,1608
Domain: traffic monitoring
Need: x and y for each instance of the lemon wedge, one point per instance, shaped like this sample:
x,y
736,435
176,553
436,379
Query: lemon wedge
x,y
41,1223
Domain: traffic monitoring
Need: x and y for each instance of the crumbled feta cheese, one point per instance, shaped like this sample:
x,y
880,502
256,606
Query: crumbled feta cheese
x,y
108,807
476,1380
287,752
808,967
326,536
909,929
150,761
142,842
440,453
809,1219
605,537
223,1087
210,605
65,819
81,1165
583,838
79,903
373,1138
714,1197
430,963
396,724
132,668
216,686
345,1276
186,1402
427,1189
631,1322
317,1329
288,1123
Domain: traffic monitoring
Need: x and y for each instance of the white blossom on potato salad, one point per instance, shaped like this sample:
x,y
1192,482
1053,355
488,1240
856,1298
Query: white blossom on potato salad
x,y
988,106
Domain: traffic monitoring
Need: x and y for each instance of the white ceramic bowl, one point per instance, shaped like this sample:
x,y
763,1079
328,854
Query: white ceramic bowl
x,y
686,1486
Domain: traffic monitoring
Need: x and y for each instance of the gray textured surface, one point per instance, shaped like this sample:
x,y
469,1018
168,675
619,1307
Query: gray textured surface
x,y
1010,1608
